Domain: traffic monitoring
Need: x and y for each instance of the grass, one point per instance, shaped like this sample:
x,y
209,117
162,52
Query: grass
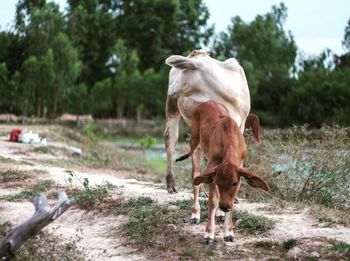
x,y
159,227
11,175
46,149
289,244
304,165
39,187
252,224
342,247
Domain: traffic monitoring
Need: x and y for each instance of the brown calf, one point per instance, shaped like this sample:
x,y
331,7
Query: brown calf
x,y
253,123
217,135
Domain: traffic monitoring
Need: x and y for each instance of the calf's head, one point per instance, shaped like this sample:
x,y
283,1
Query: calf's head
x,y
227,177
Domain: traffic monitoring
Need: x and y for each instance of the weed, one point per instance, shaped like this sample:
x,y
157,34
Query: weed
x,y
39,187
89,196
252,224
342,247
289,244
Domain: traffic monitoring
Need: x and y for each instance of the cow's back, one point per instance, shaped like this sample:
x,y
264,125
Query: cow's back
x,y
223,82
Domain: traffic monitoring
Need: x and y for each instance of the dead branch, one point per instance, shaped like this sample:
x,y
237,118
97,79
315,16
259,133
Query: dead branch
x,y
43,216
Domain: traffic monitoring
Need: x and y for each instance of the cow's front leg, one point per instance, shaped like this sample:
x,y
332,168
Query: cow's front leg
x,y
196,171
170,137
228,227
213,205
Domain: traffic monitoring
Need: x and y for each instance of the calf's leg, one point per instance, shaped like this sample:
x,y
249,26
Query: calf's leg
x,y
196,171
213,205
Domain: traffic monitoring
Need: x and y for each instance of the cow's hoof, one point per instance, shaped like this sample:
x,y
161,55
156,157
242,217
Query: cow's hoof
x,y
172,190
229,239
236,201
208,241
194,221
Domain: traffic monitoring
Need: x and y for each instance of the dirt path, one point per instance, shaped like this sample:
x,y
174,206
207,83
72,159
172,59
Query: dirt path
x,y
95,234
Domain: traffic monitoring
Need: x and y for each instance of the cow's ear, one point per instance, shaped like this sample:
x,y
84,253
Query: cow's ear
x,y
206,178
253,180
182,62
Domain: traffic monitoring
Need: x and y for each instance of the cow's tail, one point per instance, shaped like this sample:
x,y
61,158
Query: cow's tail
x,y
183,157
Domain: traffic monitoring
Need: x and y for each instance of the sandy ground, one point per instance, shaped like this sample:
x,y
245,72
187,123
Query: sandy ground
x,y
95,234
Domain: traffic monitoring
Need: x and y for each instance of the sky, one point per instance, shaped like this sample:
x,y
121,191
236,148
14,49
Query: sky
x,y
315,24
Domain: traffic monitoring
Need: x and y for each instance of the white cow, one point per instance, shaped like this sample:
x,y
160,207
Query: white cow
x,y
195,79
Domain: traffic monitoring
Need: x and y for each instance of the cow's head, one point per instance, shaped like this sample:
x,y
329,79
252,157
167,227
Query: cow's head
x,y
227,177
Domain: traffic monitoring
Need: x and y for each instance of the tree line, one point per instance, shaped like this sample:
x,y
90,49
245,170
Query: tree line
x,y
106,57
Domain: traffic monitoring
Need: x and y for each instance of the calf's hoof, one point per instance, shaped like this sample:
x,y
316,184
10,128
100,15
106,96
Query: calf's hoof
x,y
172,190
229,239
220,219
194,221
208,241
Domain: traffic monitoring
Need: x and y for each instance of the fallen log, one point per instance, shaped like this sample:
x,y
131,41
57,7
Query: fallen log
x,y
43,216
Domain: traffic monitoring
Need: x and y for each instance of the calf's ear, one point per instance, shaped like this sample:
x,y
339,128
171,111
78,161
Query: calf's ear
x,y
253,180
206,178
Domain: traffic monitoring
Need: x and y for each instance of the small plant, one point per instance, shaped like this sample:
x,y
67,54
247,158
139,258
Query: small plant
x,y
252,224
342,247
147,142
90,133
39,187
89,196
289,244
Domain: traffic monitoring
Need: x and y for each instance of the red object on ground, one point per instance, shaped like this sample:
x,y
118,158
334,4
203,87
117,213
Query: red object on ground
x,y
14,134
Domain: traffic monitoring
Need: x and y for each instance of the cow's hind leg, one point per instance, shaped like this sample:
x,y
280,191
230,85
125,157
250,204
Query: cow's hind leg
x,y
196,171
171,134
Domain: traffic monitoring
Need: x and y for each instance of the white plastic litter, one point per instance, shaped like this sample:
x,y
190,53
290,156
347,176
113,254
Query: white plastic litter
x,y
75,150
29,137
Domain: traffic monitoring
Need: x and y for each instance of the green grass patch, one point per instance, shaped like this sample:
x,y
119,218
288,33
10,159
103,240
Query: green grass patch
x,y
252,224
45,149
342,247
39,187
157,228
289,244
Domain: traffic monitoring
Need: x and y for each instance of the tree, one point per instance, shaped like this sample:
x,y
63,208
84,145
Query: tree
x,y
52,66
170,26
91,28
267,53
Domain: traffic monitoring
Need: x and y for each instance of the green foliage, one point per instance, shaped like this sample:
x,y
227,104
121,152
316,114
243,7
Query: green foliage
x,y
342,247
89,197
252,224
147,142
39,187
